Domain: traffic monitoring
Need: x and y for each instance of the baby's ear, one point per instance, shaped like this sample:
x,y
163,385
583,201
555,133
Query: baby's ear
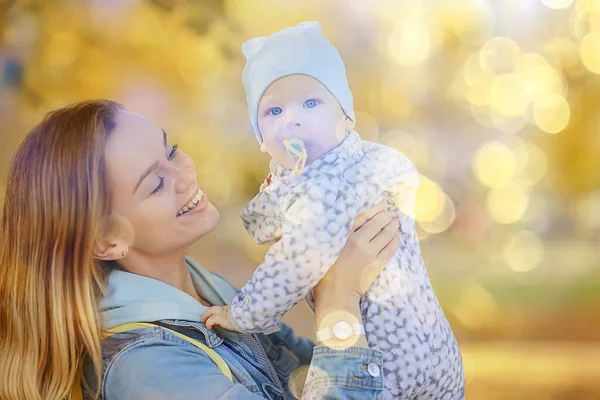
x,y
349,124
252,46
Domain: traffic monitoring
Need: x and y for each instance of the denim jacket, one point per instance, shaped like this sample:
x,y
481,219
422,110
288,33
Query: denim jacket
x,y
152,363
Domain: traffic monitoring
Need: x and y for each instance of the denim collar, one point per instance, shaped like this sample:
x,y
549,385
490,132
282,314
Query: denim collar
x,y
131,297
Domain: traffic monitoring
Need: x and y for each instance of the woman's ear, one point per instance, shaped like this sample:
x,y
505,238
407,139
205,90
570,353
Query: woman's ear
x,y
115,239
108,250
349,124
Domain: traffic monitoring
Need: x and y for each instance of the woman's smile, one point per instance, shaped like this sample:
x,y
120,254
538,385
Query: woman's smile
x,y
197,205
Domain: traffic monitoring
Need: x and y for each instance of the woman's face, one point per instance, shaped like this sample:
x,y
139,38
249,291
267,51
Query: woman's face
x,y
152,185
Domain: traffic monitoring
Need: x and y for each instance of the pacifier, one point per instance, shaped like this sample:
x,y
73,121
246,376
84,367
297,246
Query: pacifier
x,y
295,147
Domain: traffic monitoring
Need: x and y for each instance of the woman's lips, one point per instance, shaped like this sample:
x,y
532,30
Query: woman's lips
x,y
200,207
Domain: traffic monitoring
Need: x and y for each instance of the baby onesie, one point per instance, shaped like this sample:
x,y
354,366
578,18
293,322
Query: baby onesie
x,y
308,218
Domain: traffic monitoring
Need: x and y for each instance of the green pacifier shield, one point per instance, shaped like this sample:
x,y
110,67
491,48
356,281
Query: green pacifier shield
x,y
296,147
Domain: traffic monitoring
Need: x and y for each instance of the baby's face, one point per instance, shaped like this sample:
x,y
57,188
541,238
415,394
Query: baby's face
x,y
299,106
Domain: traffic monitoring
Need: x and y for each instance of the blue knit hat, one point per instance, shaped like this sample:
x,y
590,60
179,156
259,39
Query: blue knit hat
x,y
300,49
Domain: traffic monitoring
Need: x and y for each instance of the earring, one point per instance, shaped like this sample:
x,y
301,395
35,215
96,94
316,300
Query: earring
x,y
124,253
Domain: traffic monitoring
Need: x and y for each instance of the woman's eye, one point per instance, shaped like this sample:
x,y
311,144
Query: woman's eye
x,y
275,111
161,184
310,103
172,152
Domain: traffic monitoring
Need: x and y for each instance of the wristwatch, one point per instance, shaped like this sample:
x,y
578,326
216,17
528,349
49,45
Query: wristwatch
x,y
341,330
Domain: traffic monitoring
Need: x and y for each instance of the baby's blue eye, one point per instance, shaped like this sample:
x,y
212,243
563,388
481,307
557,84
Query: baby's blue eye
x,y
275,111
310,103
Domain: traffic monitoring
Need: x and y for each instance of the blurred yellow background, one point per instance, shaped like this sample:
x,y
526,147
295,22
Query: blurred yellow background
x,y
497,102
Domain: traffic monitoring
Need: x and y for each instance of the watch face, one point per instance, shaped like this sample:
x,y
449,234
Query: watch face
x,y
342,330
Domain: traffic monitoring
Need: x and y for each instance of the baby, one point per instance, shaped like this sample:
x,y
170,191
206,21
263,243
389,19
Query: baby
x,y
322,176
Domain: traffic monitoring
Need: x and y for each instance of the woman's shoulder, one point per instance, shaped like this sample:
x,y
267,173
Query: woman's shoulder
x,y
118,345
148,358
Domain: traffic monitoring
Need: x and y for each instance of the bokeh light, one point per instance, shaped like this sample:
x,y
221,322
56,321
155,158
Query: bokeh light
x,y
551,113
430,201
590,56
494,164
367,126
557,4
523,251
587,210
509,94
443,221
476,307
499,55
411,43
532,164
412,146
471,21
507,204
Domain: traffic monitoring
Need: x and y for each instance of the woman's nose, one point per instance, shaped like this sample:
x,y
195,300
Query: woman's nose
x,y
185,178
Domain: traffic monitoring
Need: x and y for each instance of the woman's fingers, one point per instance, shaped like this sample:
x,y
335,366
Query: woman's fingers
x,y
372,227
360,219
384,246
383,238
374,269
390,249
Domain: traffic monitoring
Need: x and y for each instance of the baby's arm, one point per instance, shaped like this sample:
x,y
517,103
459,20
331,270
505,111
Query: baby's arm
x,y
315,228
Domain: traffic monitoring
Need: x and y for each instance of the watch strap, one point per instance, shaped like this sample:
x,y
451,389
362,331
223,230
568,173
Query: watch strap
x,y
327,333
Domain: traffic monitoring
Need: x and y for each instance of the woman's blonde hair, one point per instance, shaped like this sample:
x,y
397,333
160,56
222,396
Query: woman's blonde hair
x,y
54,210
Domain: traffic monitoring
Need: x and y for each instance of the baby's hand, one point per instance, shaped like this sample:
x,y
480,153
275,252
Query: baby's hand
x,y
216,316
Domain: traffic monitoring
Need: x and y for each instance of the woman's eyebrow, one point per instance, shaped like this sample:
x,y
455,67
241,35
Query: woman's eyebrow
x,y
153,166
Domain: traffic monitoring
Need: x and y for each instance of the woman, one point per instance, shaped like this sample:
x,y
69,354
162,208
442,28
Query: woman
x,y
98,213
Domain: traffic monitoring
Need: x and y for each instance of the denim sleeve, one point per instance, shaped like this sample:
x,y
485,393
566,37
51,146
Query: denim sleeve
x,y
156,369
301,347
352,373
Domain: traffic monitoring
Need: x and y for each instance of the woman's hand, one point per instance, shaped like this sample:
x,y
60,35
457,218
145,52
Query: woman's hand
x,y
371,244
